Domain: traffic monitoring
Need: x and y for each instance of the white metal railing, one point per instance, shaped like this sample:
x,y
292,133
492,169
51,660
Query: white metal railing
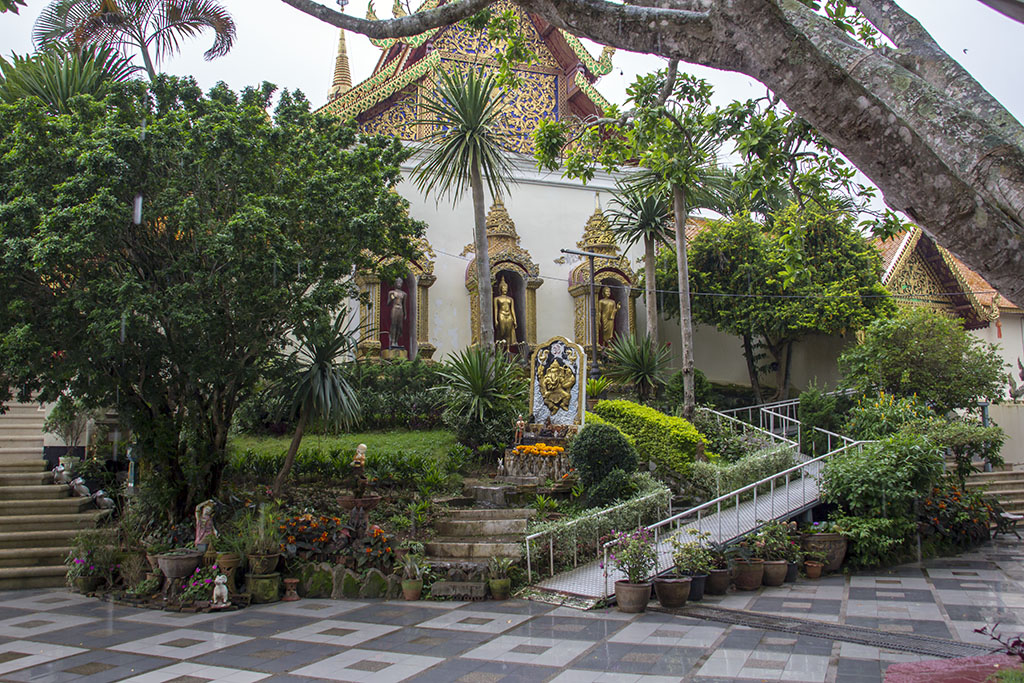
x,y
740,527
550,533
737,424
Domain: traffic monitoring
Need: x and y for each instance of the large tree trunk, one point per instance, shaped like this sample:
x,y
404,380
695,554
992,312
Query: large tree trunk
x,y
951,161
755,381
483,261
650,292
289,459
685,317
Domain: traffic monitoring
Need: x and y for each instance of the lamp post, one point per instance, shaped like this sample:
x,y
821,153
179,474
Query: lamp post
x,y
593,304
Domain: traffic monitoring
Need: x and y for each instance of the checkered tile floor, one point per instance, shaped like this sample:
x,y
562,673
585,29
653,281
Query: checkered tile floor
x,y
58,636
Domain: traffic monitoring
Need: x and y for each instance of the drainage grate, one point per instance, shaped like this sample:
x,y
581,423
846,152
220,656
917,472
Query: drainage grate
x,y
922,645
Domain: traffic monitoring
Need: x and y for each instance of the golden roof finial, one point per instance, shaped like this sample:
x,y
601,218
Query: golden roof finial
x,y
398,10
342,81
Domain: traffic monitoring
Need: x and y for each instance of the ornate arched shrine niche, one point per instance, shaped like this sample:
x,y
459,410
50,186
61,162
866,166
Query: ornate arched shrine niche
x,y
614,273
375,311
509,263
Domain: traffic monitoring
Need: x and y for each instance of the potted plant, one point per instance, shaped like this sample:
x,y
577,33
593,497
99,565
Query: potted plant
x,y
692,558
412,577
154,548
596,388
498,579
748,568
262,535
633,554
771,543
718,576
814,563
179,563
826,537
84,574
230,549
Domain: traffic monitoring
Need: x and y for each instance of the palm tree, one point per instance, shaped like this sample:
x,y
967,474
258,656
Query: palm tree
x,y
317,388
153,27
637,214
56,75
462,120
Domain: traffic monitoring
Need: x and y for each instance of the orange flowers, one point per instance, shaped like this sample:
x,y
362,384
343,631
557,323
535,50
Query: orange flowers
x,y
540,449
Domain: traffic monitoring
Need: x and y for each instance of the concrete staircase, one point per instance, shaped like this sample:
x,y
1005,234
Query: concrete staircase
x,y
1006,486
476,535
38,519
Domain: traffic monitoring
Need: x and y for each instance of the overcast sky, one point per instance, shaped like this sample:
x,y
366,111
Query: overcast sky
x,y
279,44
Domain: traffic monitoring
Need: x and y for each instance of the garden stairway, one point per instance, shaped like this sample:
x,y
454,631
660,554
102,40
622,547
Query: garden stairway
x,y
1006,486
477,535
38,518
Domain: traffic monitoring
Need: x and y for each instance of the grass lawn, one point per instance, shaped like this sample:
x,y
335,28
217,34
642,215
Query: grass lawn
x,y
436,441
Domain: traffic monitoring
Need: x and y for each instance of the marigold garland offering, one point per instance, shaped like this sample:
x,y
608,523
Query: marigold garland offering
x,y
540,449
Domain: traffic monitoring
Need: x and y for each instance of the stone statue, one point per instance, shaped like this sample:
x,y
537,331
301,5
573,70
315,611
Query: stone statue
x,y
505,317
220,591
520,428
396,299
204,524
607,307
358,466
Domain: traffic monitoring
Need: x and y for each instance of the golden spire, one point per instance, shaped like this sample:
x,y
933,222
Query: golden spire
x,y
342,82
398,11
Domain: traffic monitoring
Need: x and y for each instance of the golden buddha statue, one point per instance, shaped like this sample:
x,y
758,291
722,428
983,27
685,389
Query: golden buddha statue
x,y
607,308
505,323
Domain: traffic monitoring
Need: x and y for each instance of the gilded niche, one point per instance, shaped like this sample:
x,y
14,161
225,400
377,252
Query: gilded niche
x,y
557,373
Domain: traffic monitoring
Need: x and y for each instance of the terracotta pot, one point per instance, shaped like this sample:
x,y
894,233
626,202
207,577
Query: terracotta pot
x,y
833,545
697,582
749,574
813,569
179,565
412,589
366,502
291,593
500,588
672,592
717,583
632,597
263,564
774,572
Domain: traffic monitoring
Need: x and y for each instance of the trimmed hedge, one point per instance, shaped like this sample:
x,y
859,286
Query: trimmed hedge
x,y
671,443
593,419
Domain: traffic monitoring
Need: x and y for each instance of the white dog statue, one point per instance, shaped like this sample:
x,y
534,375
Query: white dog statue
x,y
60,475
220,591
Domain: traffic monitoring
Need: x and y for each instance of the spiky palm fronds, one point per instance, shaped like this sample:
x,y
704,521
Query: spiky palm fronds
x,y
56,75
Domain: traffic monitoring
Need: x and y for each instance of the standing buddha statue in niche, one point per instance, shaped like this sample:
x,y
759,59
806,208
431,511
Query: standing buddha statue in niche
x,y
607,308
504,317
396,299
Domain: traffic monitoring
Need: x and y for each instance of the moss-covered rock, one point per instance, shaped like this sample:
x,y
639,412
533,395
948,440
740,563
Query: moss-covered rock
x,y
316,581
375,585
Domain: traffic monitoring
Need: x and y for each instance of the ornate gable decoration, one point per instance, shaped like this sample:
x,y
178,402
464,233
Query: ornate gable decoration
x,y
598,238
503,247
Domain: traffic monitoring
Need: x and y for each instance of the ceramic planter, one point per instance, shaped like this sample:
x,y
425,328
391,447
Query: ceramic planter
x,y
833,545
774,572
228,564
87,584
179,565
264,588
366,502
153,564
632,597
263,564
717,583
792,572
749,574
697,582
672,592
500,588
813,569
412,589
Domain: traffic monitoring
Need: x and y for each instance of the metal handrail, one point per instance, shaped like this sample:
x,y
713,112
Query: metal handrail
x,y
746,425
573,522
736,495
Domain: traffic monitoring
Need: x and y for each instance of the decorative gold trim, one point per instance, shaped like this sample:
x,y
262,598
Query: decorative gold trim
x,y
581,375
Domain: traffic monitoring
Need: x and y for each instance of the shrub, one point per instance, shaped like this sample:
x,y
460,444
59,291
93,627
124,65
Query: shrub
x,y
483,393
824,410
923,353
709,480
672,443
702,389
880,416
965,440
639,362
397,395
597,450
728,439
595,419
616,486
876,541
959,516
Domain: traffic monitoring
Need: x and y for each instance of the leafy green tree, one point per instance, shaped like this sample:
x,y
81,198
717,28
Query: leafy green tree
x,y
251,225
57,74
923,353
640,215
466,148
155,28
11,5
670,130
738,266
315,382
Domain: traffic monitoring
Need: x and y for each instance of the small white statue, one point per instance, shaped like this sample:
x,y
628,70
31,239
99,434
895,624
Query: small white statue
x,y
220,591
78,486
102,500
60,475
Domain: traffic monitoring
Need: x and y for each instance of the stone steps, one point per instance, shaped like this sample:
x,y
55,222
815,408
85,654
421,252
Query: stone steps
x,y
25,478
51,522
56,506
49,538
21,453
482,527
36,492
478,534
21,466
20,578
460,548
34,557
1006,486
491,513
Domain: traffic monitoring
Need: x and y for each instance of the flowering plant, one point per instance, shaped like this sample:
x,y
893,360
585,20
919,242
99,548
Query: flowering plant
x,y
199,586
83,565
822,528
373,551
693,557
959,516
772,542
315,538
633,554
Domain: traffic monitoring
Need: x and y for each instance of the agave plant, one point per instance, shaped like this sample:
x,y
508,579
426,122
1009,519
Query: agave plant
x,y
57,74
483,392
637,361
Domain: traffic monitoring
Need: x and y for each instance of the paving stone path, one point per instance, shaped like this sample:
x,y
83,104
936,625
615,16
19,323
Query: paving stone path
x,y
52,635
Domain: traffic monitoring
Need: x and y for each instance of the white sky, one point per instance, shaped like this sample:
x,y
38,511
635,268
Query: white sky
x,y
279,44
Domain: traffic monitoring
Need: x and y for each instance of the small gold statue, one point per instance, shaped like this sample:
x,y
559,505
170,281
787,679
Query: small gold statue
x,y
607,308
505,322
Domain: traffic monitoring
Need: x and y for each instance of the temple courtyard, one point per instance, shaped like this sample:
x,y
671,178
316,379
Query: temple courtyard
x,y
843,628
